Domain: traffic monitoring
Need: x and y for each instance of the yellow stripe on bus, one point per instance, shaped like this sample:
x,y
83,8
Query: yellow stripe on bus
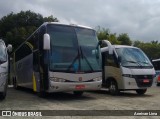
x,y
29,44
34,83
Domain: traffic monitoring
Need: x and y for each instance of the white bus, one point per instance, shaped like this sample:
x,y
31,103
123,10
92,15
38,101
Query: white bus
x,y
59,58
126,68
156,64
4,68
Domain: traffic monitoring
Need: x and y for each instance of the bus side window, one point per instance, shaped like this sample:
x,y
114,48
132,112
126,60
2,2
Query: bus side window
x,y
21,53
111,60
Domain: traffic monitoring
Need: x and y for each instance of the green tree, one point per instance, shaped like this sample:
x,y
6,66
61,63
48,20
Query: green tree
x,y
104,34
50,19
152,49
113,39
15,28
124,39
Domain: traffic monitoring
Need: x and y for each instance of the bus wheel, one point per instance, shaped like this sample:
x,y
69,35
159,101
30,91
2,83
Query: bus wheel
x,y
113,88
141,91
78,93
3,94
42,94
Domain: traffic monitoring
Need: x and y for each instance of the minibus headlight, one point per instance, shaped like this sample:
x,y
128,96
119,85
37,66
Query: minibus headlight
x,y
55,79
97,79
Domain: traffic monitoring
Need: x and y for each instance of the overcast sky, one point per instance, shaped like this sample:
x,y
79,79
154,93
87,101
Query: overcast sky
x,y
139,18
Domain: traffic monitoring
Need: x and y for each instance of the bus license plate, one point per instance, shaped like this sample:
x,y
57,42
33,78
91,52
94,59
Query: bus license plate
x,y
80,87
145,81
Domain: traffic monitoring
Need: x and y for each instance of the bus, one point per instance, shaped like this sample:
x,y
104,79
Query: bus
x,y
4,68
125,68
59,58
156,64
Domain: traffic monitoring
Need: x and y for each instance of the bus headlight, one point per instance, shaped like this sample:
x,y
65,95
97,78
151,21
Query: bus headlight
x,y
97,79
55,79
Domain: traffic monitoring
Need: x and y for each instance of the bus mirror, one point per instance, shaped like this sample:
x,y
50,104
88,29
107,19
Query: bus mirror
x,y
110,50
9,48
100,42
46,42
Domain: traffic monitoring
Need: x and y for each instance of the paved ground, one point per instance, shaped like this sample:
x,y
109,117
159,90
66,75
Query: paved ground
x,y
101,100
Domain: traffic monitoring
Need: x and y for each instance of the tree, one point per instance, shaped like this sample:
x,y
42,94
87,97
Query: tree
x,y
104,34
15,28
124,39
50,19
152,49
113,39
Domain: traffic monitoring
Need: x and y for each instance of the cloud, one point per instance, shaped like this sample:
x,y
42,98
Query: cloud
x,y
139,18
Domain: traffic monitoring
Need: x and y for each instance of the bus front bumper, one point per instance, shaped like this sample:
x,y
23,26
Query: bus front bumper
x,y
72,86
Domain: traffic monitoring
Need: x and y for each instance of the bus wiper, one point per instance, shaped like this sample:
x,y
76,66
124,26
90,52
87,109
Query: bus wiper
x,y
83,56
129,61
145,63
73,62
132,62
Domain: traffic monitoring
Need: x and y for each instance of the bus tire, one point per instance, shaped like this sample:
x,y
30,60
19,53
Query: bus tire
x,y
113,88
141,91
78,93
4,93
42,94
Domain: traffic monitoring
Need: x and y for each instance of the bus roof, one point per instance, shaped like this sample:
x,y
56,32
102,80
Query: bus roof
x,y
67,24
104,49
155,60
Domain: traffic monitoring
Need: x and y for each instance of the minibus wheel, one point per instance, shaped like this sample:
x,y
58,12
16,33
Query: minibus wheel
x,y
78,93
113,88
141,91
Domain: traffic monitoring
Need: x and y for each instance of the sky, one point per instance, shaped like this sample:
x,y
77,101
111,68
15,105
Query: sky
x,y
140,19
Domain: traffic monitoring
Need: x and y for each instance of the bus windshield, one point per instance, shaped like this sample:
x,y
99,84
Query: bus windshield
x,y
3,53
73,49
133,57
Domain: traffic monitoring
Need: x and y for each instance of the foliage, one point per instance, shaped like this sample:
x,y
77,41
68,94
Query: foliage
x,y
104,34
124,39
15,28
152,49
